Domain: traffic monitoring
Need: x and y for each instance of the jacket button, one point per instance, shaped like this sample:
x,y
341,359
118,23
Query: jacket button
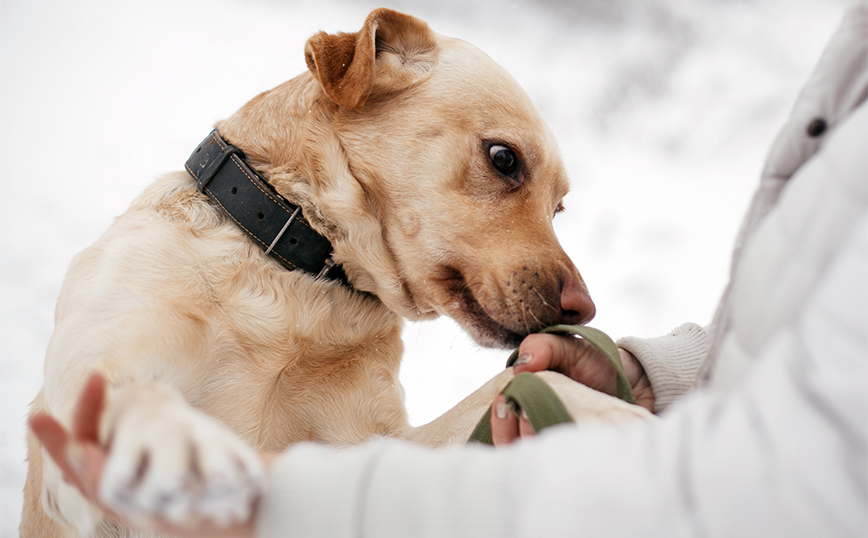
x,y
817,127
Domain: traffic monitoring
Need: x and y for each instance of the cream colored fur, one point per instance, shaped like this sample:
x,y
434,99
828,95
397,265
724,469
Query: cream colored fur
x,y
203,338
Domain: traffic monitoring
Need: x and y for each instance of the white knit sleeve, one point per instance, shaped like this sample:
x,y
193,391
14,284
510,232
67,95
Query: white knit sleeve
x,y
387,488
671,361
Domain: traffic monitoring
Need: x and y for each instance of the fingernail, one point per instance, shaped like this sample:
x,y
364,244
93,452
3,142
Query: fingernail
x,y
501,409
524,415
75,456
523,359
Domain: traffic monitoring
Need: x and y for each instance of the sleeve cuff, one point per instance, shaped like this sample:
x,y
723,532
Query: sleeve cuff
x,y
671,361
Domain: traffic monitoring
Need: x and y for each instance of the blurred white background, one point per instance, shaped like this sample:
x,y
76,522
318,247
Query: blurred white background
x,y
664,111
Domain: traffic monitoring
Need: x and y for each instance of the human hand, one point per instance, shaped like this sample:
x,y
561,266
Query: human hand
x,y
82,460
577,359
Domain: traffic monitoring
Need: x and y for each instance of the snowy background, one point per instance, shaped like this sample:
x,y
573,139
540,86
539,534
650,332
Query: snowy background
x,y
664,111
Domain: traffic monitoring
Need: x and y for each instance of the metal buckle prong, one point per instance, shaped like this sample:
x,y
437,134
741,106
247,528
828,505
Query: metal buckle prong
x,y
282,230
329,263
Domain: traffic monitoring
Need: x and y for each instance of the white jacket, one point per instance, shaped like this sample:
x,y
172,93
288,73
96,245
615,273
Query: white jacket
x,y
775,443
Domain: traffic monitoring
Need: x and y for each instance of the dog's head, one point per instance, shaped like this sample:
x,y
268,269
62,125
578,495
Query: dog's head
x,y
430,170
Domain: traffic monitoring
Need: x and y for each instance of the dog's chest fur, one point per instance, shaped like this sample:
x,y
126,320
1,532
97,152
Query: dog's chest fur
x,y
274,354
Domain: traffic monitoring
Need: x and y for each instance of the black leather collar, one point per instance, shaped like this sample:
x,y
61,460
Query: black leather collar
x,y
275,224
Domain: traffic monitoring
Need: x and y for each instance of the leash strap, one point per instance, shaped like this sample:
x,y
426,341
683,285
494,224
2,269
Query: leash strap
x,y
267,218
530,394
602,342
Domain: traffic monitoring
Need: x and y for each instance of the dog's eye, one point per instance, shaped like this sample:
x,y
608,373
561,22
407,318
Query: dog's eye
x,y
558,209
503,159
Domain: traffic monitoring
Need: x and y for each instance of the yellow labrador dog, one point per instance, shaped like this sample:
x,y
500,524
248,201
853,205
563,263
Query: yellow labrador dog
x,y
256,298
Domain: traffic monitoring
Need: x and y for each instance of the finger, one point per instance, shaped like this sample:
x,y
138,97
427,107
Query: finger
x,y
504,423
55,439
534,353
51,434
542,351
85,424
80,463
524,427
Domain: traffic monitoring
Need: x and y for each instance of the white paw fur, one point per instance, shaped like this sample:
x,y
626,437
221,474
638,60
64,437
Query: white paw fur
x,y
173,462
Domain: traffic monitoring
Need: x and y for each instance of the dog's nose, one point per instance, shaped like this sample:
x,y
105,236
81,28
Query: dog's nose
x,y
577,308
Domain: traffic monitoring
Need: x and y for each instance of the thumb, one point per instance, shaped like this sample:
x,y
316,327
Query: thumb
x,y
56,441
85,423
542,351
76,453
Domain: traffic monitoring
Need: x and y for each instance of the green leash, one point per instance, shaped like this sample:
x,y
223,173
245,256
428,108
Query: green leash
x,y
530,394
601,341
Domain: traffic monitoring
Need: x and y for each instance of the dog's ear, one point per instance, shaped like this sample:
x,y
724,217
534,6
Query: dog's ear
x,y
390,53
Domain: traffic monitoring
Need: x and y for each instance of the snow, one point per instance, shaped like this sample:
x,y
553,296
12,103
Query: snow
x,y
664,111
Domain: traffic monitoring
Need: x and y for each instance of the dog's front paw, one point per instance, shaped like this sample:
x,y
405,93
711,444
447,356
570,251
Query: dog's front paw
x,y
169,461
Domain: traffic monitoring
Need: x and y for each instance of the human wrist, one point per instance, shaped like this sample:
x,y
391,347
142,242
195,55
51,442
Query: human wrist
x,y
631,366
638,379
670,361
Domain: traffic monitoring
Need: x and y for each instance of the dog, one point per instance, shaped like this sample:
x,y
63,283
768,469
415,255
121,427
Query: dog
x,y
415,178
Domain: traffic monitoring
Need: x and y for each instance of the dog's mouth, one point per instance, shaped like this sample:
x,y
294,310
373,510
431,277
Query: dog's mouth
x,y
469,313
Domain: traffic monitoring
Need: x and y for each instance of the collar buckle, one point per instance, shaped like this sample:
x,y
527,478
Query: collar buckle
x,y
248,200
